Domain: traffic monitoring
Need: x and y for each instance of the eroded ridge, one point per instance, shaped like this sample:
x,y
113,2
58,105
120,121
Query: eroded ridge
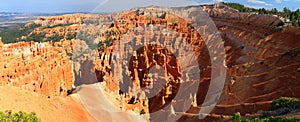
x,y
37,67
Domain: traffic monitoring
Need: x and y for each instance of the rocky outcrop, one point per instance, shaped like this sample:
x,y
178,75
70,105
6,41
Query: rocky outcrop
x,y
36,67
149,56
64,19
262,58
257,50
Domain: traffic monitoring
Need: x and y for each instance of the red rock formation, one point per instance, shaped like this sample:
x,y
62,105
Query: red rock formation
x,y
64,19
262,57
262,60
36,67
138,67
257,50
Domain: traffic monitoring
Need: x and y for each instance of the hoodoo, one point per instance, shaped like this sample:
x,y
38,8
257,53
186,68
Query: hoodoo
x,y
262,60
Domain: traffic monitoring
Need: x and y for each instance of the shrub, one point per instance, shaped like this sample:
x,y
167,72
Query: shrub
x,y
285,102
71,36
108,42
35,37
142,112
280,24
237,118
59,25
20,116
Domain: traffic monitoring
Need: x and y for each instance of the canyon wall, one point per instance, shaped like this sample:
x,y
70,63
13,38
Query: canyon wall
x,y
37,67
262,58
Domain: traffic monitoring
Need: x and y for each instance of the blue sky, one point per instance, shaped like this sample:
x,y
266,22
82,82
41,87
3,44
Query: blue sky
x,y
62,6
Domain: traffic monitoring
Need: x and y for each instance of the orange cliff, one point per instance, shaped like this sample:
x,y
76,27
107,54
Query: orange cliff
x,y
36,67
154,55
262,58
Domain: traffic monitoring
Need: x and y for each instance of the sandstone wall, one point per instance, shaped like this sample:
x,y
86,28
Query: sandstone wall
x,y
129,28
261,57
262,60
64,19
36,67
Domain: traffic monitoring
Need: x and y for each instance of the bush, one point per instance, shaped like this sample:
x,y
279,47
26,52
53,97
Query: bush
x,y
55,38
59,25
35,37
20,116
142,112
280,24
285,102
108,42
237,118
71,36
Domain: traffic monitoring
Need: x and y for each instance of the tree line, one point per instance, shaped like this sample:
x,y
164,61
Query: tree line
x,y
290,16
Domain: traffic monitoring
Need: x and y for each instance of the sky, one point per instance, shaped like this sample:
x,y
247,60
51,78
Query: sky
x,y
66,6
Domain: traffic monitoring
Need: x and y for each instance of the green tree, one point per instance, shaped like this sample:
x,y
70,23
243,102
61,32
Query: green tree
x,y
9,116
285,102
237,117
262,11
297,17
293,16
274,11
142,112
286,12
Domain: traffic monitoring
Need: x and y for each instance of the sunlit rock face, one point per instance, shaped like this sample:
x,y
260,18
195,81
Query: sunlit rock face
x,y
262,59
147,25
153,67
36,67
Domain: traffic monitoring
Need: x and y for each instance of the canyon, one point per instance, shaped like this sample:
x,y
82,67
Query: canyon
x,y
37,67
155,48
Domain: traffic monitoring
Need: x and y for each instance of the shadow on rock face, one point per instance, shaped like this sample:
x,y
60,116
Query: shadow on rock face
x,y
84,72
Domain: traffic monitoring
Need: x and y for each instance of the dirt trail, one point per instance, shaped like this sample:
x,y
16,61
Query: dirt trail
x,y
96,101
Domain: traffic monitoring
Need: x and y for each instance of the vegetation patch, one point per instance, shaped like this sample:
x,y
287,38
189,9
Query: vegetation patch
x,y
142,112
292,103
293,16
55,38
9,35
108,42
238,118
280,106
9,116
59,25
